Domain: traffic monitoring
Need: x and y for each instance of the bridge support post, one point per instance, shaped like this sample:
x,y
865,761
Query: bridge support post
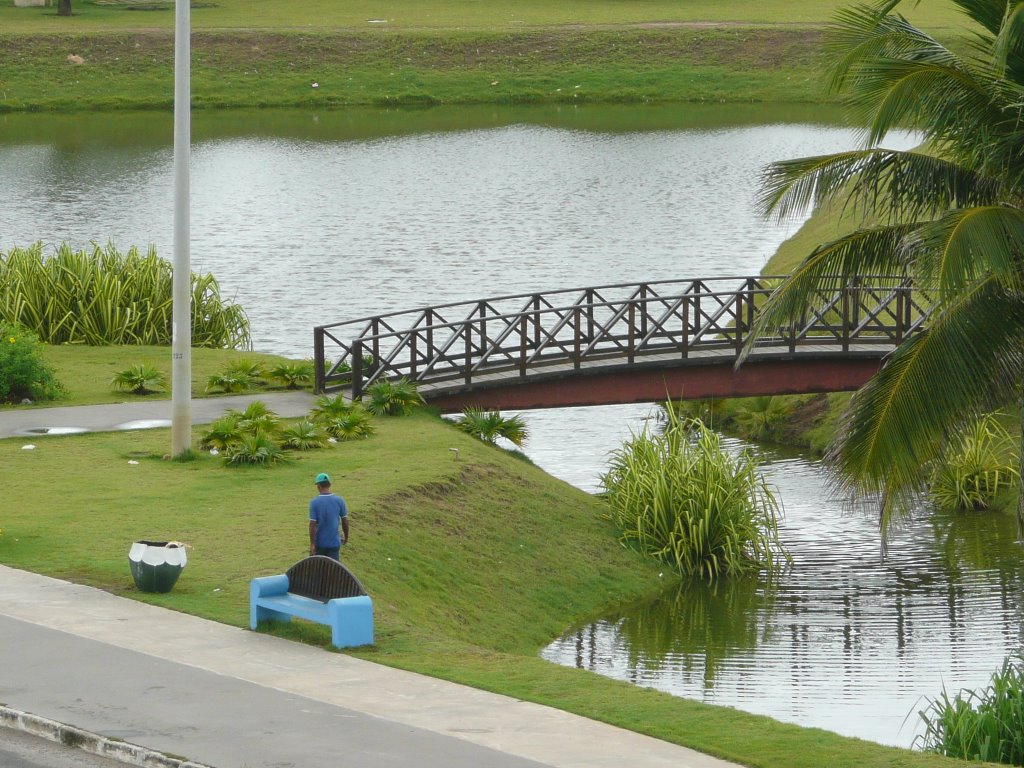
x,y
319,373
357,370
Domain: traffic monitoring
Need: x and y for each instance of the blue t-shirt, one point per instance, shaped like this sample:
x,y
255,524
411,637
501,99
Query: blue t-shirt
x,y
327,509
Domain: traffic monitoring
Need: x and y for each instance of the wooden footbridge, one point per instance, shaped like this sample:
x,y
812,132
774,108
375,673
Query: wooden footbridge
x,y
621,344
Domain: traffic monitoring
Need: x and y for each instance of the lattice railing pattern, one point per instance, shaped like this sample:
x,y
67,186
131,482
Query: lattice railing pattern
x,y
613,324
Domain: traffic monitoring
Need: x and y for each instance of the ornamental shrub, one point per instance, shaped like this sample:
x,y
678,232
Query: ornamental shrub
x,y
681,497
23,372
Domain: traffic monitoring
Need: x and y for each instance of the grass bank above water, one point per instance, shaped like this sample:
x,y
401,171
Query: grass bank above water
x,y
474,563
448,52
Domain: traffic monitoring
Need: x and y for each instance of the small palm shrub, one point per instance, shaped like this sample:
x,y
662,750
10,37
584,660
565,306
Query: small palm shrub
x,y
981,465
491,425
292,375
387,398
986,725
327,406
760,418
223,432
680,497
255,449
354,424
23,371
258,418
304,435
237,376
142,379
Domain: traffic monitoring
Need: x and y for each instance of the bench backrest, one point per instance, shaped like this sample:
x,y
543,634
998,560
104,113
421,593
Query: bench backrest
x,y
322,578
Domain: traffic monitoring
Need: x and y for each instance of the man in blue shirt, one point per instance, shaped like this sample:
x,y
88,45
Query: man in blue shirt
x,y
327,512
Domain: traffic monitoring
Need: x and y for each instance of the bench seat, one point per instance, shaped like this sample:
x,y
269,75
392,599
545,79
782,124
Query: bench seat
x,y
332,596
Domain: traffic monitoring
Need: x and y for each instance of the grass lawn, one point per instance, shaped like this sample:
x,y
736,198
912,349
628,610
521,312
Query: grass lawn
x,y
474,563
86,372
269,53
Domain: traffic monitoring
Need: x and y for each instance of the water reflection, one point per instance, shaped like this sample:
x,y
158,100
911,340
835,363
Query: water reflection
x,y
844,640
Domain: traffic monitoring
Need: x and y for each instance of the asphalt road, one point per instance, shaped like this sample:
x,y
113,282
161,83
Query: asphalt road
x,y
22,750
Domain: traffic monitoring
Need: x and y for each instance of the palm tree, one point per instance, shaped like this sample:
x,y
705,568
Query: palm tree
x,y
949,216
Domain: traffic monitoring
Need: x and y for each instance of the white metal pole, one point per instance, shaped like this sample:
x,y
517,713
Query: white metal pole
x,y
181,313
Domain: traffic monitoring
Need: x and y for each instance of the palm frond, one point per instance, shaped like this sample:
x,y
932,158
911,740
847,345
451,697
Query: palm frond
x,y
966,362
882,183
960,248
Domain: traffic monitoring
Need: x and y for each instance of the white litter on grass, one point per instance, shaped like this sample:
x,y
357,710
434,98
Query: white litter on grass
x,y
132,461
331,440
28,447
214,452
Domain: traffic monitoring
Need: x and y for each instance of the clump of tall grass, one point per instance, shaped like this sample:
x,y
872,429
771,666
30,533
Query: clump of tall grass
x,y
108,297
980,466
983,725
679,496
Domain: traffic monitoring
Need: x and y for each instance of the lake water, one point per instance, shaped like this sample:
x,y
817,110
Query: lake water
x,y
316,218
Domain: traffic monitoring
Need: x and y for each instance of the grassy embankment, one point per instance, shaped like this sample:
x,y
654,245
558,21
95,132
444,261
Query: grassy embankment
x,y
268,54
474,563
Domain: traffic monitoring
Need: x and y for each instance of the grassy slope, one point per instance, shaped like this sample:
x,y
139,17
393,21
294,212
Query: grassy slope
x,y
269,53
474,564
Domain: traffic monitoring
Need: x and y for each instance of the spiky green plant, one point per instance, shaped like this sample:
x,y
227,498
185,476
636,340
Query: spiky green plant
x,y
304,435
222,432
258,418
237,376
141,379
328,406
491,425
981,464
760,418
948,216
255,449
679,496
355,424
108,297
983,725
292,375
398,398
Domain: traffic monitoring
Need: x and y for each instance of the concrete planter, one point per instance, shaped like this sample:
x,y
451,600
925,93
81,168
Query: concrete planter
x,y
156,565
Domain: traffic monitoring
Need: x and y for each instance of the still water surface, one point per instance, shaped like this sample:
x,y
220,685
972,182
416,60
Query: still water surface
x,y
307,219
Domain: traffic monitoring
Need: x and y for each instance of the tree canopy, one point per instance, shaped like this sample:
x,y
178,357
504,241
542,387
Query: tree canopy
x,y
948,215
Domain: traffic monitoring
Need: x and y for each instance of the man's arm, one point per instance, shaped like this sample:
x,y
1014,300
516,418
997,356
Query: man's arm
x,y
312,537
344,529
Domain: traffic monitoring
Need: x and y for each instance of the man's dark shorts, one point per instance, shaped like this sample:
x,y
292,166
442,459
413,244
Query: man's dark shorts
x,y
332,552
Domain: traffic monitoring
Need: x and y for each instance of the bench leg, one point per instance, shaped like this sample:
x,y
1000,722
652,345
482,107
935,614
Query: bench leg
x,y
258,613
351,621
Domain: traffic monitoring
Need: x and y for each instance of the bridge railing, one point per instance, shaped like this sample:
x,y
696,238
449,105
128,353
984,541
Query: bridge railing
x,y
614,324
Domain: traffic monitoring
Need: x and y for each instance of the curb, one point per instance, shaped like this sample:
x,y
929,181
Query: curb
x,y
70,736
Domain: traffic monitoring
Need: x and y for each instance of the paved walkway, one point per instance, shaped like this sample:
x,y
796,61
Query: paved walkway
x,y
139,414
231,698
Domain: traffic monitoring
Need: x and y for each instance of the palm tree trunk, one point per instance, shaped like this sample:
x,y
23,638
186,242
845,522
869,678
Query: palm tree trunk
x,y
1020,471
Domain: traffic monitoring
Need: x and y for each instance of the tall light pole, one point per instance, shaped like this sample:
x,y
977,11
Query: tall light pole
x,y
181,294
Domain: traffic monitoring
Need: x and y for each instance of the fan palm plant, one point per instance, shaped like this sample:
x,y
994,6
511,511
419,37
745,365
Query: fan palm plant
x,y
141,379
490,425
949,216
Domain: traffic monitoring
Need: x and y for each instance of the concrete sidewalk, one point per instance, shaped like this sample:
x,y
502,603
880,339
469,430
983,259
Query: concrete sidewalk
x,y
140,414
231,698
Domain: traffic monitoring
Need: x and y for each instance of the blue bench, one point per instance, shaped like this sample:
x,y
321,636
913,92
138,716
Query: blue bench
x,y
318,589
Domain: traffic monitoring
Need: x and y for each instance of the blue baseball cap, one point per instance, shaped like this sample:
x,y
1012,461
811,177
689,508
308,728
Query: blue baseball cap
x,y
322,478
